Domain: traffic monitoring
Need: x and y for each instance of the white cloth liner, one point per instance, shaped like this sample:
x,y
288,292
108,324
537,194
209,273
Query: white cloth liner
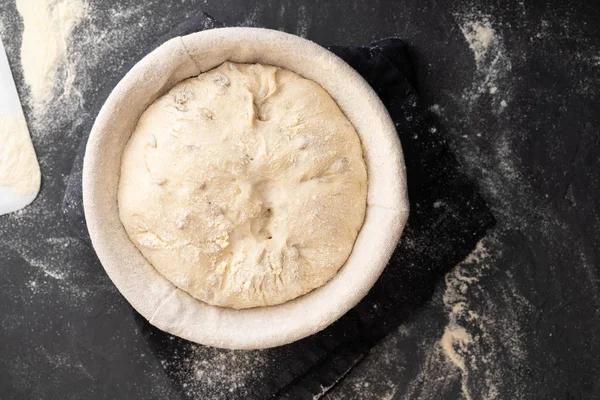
x,y
175,311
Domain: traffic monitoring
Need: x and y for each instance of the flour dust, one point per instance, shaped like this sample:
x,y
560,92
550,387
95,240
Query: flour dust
x,y
47,26
206,372
489,52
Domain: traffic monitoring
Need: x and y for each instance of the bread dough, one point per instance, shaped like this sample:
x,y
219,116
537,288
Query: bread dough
x,y
244,186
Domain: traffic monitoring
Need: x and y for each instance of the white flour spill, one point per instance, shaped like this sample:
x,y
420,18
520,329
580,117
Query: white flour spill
x,y
480,334
479,35
303,22
207,372
498,171
47,28
489,52
56,269
374,373
252,18
43,267
456,341
436,109
326,389
479,339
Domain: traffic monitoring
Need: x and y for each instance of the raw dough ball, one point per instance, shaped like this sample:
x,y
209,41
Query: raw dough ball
x,y
244,186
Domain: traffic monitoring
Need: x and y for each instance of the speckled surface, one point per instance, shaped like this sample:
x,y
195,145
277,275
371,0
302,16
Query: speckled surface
x,y
529,300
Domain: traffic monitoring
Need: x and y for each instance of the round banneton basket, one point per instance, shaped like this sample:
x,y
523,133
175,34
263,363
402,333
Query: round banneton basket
x,y
174,310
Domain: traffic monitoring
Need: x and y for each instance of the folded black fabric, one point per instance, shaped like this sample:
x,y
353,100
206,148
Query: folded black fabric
x,y
447,219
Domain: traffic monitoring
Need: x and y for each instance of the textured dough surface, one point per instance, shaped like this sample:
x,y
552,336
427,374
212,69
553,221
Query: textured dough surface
x,y
19,169
244,186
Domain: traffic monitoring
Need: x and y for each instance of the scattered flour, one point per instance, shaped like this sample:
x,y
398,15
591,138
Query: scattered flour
x,y
47,27
51,264
33,286
43,267
480,333
206,372
436,109
479,35
378,375
251,18
303,22
456,340
491,60
326,389
497,170
480,346
19,170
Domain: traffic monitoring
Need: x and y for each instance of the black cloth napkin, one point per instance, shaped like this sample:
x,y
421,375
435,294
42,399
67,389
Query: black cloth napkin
x,y
446,220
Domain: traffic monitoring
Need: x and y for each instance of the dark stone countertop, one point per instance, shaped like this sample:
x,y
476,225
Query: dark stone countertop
x,y
522,115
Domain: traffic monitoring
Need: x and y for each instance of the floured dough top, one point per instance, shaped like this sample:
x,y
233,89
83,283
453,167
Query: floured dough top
x,y
244,186
19,169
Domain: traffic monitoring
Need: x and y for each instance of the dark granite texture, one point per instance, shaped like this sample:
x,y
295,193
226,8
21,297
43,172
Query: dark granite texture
x,y
523,122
